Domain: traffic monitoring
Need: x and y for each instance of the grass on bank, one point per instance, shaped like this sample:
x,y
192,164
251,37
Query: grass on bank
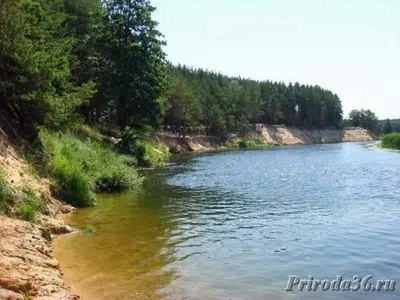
x,y
6,192
140,146
30,205
252,144
148,155
82,167
391,141
246,144
26,202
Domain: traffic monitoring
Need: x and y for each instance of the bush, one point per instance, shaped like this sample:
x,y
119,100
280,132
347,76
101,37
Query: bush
x,y
391,141
83,166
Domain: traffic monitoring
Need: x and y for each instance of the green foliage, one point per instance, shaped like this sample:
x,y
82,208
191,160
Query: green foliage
x,y
30,206
394,122
90,229
149,155
224,104
183,107
6,192
144,151
34,65
231,144
133,77
363,118
387,128
75,185
84,166
391,141
27,211
252,144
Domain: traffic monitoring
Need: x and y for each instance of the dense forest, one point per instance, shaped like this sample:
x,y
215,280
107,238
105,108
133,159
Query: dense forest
x,y
64,62
222,103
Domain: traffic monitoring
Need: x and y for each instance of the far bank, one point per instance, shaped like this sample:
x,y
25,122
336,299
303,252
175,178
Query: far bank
x,y
261,134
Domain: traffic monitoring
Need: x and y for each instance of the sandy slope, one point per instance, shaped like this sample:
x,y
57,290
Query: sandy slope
x,y
27,267
268,134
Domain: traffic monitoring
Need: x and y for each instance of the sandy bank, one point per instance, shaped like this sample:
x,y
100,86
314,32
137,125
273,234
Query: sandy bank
x,y
27,267
267,134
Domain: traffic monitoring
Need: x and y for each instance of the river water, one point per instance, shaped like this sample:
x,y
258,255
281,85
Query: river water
x,y
235,225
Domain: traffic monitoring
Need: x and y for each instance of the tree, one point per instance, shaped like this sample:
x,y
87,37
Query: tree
x,y
35,87
364,118
135,79
183,106
85,23
387,128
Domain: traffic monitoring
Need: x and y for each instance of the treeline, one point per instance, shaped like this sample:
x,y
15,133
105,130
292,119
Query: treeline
x,y
222,104
64,62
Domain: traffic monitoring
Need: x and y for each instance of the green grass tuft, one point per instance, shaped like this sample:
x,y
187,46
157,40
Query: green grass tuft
x,y
252,144
90,229
31,204
6,192
28,211
83,166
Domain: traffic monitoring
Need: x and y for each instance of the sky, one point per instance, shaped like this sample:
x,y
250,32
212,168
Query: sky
x,y
351,47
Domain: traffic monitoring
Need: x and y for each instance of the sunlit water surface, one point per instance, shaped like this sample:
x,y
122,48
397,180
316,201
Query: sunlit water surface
x,y
234,225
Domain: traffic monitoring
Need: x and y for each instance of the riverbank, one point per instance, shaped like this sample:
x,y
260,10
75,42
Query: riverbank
x,y
273,135
28,269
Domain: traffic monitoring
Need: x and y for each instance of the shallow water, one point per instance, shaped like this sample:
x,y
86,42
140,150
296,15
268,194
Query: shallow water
x,y
234,225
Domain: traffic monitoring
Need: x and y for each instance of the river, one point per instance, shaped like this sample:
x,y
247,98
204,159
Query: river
x,y
235,225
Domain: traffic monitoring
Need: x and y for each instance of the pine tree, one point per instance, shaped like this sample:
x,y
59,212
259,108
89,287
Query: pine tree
x,y
136,79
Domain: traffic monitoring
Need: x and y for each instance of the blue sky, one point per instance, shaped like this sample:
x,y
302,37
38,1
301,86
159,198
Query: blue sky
x,y
351,47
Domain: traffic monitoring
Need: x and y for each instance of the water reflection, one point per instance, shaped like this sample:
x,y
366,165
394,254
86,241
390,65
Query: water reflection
x,y
136,237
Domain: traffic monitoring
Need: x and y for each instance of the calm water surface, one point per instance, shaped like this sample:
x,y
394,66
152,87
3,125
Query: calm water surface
x,y
234,225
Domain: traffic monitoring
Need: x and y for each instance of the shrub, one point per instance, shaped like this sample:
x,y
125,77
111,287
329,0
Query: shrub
x,y
391,141
83,166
